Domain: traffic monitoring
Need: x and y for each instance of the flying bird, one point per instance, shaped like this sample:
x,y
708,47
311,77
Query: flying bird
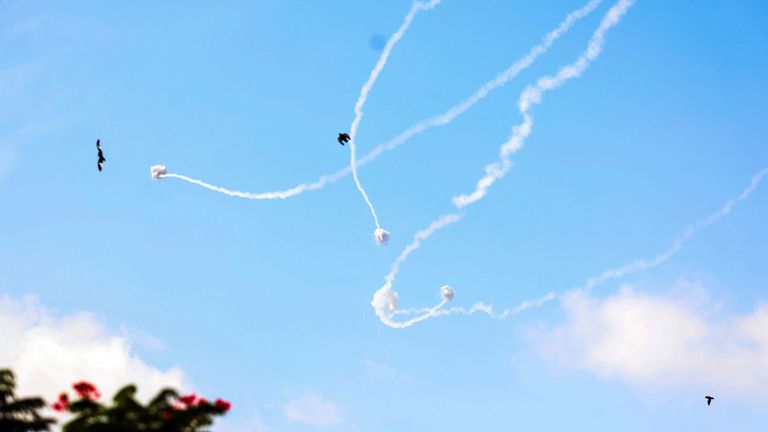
x,y
343,137
709,399
101,155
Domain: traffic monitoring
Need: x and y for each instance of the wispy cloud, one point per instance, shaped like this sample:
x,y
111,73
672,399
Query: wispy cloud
x,y
314,410
143,339
49,352
662,341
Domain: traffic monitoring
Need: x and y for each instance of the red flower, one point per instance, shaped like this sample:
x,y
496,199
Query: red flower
x,y
62,403
222,405
188,400
202,401
86,390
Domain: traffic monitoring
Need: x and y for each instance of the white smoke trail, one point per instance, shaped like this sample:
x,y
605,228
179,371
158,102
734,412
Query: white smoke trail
x,y
281,194
617,272
512,71
677,245
532,95
159,172
482,307
385,299
380,234
438,120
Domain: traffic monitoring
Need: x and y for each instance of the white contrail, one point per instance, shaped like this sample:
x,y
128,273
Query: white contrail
x,y
482,307
380,234
677,245
532,96
159,172
438,120
385,299
614,273
512,71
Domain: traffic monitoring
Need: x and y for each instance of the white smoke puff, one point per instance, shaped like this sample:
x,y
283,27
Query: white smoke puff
x,y
157,171
446,293
385,301
381,235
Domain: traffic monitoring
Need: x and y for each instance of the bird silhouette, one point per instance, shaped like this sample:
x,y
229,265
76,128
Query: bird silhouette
x,y
709,399
343,137
101,154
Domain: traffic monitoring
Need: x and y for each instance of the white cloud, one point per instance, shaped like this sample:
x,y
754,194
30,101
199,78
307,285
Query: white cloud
x,y
313,410
143,339
49,353
675,341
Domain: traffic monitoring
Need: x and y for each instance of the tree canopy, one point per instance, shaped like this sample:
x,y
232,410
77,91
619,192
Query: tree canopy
x,y
166,412
20,414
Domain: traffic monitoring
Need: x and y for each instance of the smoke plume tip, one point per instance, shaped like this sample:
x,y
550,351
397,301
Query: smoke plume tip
x,y
157,171
381,235
446,293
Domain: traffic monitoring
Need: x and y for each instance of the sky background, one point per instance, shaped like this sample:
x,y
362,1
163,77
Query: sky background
x,y
266,303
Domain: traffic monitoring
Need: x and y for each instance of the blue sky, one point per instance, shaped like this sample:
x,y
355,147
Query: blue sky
x,y
267,302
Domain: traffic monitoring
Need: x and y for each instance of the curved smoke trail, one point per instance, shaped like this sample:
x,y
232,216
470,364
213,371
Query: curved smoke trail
x,y
385,298
613,273
380,234
511,72
438,120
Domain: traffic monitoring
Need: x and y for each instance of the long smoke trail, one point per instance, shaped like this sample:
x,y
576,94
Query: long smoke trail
x,y
159,172
511,72
380,234
439,120
613,273
677,245
385,299
532,96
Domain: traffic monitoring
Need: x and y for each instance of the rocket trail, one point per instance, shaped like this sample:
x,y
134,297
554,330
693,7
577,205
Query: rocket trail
x,y
613,273
380,234
438,120
385,298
